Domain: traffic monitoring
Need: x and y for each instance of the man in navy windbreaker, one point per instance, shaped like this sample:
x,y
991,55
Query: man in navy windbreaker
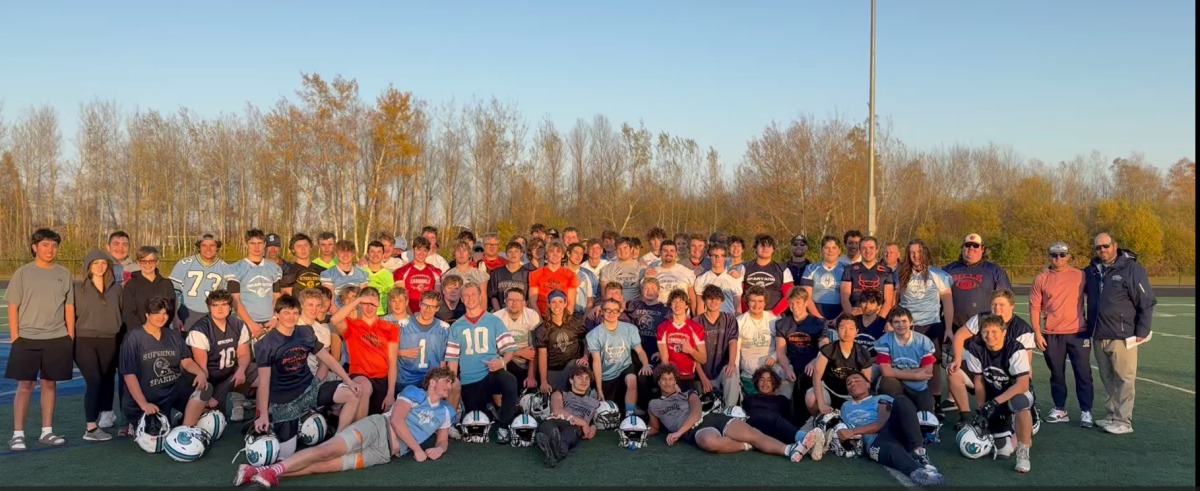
x,y
1120,305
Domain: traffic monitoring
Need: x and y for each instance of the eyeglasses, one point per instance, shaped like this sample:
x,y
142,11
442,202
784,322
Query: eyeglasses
x,y
1103,246
148,261
429,306
971,245
1058,255
611,311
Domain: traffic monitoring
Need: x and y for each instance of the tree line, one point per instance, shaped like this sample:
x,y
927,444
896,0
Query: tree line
x,y
329,159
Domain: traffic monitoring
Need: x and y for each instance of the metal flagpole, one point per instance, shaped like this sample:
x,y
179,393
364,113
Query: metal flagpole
x,y
871,137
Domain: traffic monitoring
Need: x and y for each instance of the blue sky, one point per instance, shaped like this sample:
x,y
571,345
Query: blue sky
x,y
1050,78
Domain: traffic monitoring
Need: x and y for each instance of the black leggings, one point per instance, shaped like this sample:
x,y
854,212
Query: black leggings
x,y
774,426
97,361
569,433
894,444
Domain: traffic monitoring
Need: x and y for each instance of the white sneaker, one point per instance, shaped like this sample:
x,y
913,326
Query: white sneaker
x,y
1058,416
820,443
237,413
1119,428
1105,423
1085,419
502,436
1023,464
454,434
107,419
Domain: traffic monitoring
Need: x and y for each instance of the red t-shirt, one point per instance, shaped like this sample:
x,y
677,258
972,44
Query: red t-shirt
x,y
417,281
367,346
690,333
547,281
492,264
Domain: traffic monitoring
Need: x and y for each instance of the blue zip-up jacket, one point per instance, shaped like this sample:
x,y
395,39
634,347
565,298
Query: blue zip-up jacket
x,y
1120,301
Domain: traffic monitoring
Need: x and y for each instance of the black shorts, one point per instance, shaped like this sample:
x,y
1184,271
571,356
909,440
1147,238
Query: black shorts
x,y
934,332
223,387
379,387
829,311
45,359
177,401
614,390
711,421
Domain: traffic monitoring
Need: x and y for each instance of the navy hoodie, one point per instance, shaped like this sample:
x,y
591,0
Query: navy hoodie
x,y
972,286
1120,301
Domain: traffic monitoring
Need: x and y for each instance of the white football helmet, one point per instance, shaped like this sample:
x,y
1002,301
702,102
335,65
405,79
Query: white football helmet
x,y
734,412
710,401
186,443
213,422
534,403
476,427
1037,419
522,430
844,448
261,448
931,426
824,422
152,432
974,443
608,416
633,432
313,428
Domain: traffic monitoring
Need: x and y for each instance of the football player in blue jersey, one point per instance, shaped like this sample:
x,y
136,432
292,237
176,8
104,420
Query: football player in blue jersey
x,y
423,340
419,414
479,348
194,277
255,284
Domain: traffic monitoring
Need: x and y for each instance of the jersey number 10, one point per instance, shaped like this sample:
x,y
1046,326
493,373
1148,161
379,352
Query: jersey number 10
x,y
479,344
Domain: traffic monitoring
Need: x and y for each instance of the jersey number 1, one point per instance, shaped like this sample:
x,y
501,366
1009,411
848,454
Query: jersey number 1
x,y
480,344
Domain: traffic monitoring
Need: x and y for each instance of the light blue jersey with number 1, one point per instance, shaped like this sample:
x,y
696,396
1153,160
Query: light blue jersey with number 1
x,y
430,342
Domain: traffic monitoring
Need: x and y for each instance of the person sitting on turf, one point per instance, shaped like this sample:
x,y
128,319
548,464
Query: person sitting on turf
x,y
158,370
889,431
680,414
835,362
1015,329
372,344
286,386
221,343
570,420
610,344
904,359
417,415
1001,366
770,413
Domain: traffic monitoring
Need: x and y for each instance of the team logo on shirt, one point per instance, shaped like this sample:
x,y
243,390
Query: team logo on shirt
x,y
760,278
827,281
259,285
563,341
996,377
858,417
614,350
916,289
967,281
424,416
162,368
760,339
904,363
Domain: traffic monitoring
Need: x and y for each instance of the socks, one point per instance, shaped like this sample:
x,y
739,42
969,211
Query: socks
x,y
630,408
748,446
19,434
937,400
46,430
278,469
800,434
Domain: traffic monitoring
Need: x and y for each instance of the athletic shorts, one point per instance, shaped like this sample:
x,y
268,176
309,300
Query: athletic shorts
x,y
934,332
45,359
176,401
378,393
710,422
614,390
368,442
1001,421
222,388
318,394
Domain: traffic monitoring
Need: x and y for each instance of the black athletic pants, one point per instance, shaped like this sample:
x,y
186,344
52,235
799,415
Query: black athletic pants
x,y
894,444
923,400
569,433
97,362
1059,347
774,426
476,396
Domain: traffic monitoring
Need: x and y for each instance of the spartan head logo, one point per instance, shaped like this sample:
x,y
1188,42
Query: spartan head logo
x,y
827,281
162,367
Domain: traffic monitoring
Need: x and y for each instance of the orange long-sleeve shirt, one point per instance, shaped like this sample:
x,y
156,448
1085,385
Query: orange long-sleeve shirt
x,y
1059,296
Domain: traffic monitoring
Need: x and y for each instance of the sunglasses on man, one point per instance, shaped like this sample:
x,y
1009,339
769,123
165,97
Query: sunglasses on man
x,y
1104,247
972,245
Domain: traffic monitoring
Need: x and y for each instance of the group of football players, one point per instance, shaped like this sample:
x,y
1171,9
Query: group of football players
x,y
401,351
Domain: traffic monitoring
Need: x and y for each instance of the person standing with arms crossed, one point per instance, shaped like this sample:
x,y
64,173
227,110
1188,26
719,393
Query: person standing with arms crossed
x,y
1057,292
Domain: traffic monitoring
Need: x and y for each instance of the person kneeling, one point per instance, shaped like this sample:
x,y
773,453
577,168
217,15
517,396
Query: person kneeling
x,y
417,415
1001,366
889,431
158,370
570,420
680,413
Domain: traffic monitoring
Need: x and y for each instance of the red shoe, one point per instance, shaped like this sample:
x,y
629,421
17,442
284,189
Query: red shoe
x,y
266,478
244,474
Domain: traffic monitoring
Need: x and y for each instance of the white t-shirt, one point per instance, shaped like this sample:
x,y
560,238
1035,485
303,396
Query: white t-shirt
x,y
520,329
755,341
677,277
595,270
730,286
323,334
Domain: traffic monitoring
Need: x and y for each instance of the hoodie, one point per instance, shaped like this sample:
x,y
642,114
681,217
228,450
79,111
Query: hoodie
x,y
98,314
1120,301
139,291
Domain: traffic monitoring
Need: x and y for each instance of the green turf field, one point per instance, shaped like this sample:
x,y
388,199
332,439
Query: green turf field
x,y
1161,452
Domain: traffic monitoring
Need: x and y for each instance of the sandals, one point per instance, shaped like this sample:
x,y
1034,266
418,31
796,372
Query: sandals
x,y
16,443
53,440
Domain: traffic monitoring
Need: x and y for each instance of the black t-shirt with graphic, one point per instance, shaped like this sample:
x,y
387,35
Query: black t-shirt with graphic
x,y
840,365
157,363
288,358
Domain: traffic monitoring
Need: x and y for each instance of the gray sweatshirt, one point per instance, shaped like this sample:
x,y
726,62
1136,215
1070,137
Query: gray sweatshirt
x,y
97,314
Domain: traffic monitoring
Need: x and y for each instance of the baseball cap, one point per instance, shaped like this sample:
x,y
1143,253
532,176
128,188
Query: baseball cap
x,y
800,239
1059,247
401,243
552,233
208,236
973,239
273,240
718,238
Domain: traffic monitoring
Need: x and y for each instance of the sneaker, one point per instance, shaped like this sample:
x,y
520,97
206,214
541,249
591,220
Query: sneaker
x,y
1119,428
244,474
266,478
549,454
1022,458
1105,422
1058,416
925,477
810,441
820,444
948,405
126,430
237,414
454,434
97,435
794,452
922,457
502,436
1085,419
107,419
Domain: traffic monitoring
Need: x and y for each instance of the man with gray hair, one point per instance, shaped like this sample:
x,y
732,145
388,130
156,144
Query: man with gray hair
x,y
1120,304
